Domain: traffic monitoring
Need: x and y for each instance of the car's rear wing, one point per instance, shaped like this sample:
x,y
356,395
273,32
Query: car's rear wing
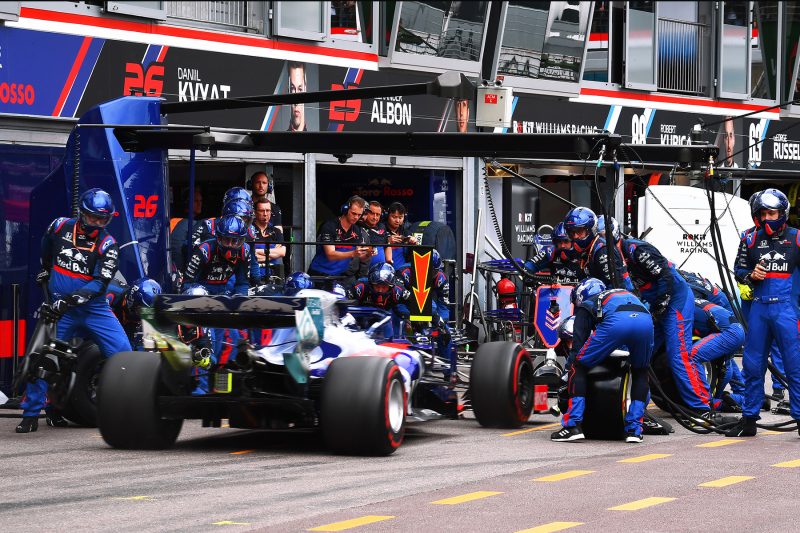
x,y
228,311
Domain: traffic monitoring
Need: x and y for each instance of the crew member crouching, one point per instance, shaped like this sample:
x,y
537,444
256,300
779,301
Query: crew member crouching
x,y
606,320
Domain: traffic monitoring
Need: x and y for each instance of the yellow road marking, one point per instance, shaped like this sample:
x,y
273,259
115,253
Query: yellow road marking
x,y
768,432
135,498
718,443
725,481
537,428
551,527
349,524
242,452
466,497
643,458
229,523
565,475
640,504
788,464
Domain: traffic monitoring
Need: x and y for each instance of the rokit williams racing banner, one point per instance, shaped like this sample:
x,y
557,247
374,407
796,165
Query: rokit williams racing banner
x,y
57,75
743,142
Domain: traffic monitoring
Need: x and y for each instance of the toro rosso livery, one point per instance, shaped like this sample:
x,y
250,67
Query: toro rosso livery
x,y
320,368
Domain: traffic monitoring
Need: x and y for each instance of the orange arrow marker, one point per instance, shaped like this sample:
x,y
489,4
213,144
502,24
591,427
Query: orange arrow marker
x,y
421,291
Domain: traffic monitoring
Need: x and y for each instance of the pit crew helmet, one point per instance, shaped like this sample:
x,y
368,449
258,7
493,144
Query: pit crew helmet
x,y
231,233
771,199
601,226
560,233
436,260
236,193
586,289
97,203
566,329
381,277
296,282
143,293
240,208
581,218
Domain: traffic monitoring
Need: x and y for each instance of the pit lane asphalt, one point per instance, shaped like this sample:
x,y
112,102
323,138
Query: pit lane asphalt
x,y
69,479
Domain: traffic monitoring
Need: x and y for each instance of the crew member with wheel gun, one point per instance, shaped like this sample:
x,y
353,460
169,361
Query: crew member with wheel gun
x,y
604,321
79,259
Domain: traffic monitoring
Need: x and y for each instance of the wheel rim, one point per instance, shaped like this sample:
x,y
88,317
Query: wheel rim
x,y
396,407
524,386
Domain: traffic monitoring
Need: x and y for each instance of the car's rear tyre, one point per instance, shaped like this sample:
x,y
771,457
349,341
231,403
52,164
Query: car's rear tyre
x,y
606,400
127,403
81,408
363,406
501,384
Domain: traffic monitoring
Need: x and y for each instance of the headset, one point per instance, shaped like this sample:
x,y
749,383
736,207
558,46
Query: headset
x,y
270,185
346,206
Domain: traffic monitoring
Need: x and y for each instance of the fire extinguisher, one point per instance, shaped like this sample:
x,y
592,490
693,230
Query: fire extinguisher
x,y
506,294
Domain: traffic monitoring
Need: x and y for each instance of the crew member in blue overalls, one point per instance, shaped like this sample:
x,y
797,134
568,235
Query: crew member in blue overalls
x,y
242,208
581,226
746,293
561,260
126,301
379,289
706,290
606,320
721,336
212,265
79,259
671,303
768,258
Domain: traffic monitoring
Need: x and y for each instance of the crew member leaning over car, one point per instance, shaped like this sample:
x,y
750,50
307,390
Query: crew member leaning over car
x,y
212,264
126,301
379,289
79,259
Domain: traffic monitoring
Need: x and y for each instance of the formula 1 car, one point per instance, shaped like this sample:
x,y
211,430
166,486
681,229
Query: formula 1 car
x,y
318,371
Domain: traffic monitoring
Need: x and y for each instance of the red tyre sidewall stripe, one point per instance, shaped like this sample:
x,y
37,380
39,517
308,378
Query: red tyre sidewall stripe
x,y
394,439
515,387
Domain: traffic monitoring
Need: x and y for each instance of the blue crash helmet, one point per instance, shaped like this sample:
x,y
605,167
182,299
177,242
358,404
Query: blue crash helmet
x,y
586,289
239,208
143,293
295,282
98,203
771,199
236,193
581,218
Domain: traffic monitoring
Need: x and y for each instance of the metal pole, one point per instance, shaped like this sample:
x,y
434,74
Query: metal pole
x,y
16,322
608,211
472,295
190,228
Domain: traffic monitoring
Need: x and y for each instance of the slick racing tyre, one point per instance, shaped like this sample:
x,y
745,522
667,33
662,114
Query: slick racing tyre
x,y
501,381
606,400
127,403
81,407
363,406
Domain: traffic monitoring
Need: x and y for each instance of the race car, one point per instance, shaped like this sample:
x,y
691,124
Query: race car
x,y
319,370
